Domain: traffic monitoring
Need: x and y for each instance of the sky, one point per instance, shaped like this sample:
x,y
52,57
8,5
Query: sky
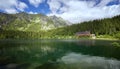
x,y
74,11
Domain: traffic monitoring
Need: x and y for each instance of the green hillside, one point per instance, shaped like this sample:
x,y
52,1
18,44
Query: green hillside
x,y
24,25
106,27
29,22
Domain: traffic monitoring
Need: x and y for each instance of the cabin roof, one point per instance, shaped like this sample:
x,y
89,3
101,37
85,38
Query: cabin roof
x,y
85,32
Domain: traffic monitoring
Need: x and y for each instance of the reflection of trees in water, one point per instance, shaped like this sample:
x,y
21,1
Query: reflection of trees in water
x,y
38,52
86,42
42,52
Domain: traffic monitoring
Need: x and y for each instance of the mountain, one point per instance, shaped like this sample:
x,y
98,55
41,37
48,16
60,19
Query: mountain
x,y
26,26
30,22
107,26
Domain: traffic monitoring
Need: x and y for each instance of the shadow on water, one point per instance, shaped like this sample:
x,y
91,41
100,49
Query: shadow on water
x,y
52,54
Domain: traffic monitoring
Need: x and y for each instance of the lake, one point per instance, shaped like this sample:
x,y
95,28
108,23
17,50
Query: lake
x,y
59,54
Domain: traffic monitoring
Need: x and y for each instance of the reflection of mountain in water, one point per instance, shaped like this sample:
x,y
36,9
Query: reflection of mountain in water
x,y
42,53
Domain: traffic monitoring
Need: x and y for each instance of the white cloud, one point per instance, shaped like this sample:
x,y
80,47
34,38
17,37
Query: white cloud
x,y
104,2
11,11
54,5
32,12
21,6
36,2
79,11
12,6
7,4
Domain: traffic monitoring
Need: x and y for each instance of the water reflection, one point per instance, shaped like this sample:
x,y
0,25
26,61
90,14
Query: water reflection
x,y
44,54
79,61
86,42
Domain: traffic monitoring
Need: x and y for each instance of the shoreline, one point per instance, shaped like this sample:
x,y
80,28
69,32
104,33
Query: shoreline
x,y
107,39
61,39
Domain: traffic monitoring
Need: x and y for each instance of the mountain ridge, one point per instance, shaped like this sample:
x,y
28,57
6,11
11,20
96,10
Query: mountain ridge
x,y
30,22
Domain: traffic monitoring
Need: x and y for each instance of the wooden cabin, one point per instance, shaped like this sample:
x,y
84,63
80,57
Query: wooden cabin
x,y
86,33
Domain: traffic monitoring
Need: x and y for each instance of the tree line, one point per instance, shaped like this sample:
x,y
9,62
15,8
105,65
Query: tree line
x,y
107,26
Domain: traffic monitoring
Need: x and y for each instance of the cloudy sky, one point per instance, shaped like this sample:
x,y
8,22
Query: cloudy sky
x,y
72,10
